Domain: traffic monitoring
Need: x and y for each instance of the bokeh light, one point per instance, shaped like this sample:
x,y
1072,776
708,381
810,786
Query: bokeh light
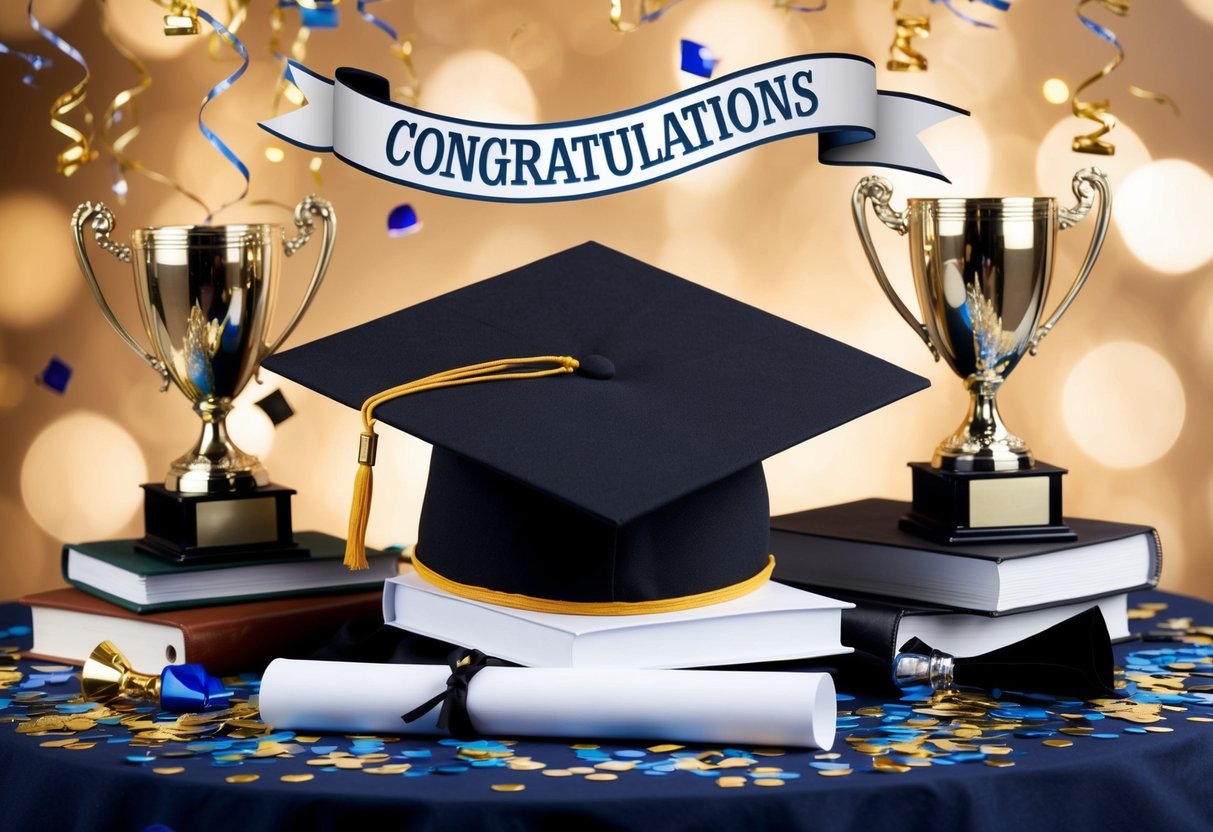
x,y
39,278
1162,211
481,86
1055,91
80,477
1123,404
738,33
13,386
250,428
1201,8
961,147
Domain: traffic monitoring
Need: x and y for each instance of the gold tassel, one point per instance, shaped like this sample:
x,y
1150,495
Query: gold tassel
x,y
360,508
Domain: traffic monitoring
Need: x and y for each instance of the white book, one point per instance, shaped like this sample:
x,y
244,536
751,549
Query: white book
x,y
773,623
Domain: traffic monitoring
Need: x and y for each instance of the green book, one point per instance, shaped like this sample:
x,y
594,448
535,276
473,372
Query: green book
x,y
116,571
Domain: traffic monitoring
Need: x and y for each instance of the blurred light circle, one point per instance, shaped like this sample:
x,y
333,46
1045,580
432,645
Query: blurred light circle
x,y
80,477
481,86
251,429
1201,8
1056,162
39,277
1123,404
1055,91
1162,211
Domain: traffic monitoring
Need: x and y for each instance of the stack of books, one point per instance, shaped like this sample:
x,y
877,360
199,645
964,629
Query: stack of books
x,y
231,616
962,599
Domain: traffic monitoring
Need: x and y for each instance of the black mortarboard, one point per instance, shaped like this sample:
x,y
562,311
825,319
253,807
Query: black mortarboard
x,y
634,484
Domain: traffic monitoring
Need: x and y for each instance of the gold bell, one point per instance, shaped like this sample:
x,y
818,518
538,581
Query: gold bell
x,y
107,675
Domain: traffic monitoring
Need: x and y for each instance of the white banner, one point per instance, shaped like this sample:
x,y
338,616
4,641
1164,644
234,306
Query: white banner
x,y
833,95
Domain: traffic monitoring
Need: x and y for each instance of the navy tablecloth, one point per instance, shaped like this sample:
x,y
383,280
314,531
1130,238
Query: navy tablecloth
x,y
1114,775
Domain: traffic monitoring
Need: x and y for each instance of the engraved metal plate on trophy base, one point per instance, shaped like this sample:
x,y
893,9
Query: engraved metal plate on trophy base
x,y
982,269
206,297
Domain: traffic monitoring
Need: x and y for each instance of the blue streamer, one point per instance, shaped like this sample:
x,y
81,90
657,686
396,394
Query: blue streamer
x,y
216,91
1000,5
37,63
376,21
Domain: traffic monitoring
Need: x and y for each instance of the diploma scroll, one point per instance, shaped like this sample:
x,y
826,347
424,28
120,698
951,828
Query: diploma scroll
x,y
711,706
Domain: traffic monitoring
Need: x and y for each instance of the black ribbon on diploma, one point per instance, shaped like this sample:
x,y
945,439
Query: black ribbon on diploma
x,y
1072,658
454,717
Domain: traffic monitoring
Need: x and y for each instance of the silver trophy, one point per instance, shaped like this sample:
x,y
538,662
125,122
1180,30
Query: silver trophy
x,y
982,269
206,295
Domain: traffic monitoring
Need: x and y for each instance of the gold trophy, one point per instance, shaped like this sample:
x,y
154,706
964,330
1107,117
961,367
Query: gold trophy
x,y
982,269
206,297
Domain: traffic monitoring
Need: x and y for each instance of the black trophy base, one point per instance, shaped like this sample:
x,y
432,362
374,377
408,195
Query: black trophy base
x,y
986,506
214,528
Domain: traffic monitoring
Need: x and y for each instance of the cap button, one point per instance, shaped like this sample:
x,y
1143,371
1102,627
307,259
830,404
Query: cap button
x,y
596,366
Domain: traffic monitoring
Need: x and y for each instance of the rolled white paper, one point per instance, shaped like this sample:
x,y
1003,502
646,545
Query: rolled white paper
x,y
715,706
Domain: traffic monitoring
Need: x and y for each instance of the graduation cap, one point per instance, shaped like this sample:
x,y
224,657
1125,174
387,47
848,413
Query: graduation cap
x,y
621,469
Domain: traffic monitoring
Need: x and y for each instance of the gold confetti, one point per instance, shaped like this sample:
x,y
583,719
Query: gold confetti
x,y
885,765
79,746
1200,719
835,772
58,743
582,746
1058,743
829,755
767,770
665,749
1000,763
580,770
769,752
903,57
296,778
242,778
771,782
557,772
730,782
169,769
507,787
602,776
1159,729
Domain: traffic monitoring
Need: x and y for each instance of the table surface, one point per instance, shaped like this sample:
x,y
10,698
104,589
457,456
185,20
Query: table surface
x,y
970,763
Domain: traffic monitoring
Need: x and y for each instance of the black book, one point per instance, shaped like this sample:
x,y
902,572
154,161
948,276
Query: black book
x,y
858,548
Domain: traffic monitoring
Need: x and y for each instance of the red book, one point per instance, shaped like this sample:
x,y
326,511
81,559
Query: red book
x,y
229,638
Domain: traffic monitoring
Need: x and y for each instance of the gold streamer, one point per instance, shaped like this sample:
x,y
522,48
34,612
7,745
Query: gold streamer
x,y
1097,111
903,57
80,152
124,109
410,91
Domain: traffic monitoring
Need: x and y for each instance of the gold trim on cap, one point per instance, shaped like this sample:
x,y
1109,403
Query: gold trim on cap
x,y
527,602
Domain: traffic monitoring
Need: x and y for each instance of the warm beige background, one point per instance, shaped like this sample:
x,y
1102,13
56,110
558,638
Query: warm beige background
x,y
1116,393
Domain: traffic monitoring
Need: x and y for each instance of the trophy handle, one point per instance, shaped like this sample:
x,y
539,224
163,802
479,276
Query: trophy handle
x,y
880,191
1086,183
102,224
308,207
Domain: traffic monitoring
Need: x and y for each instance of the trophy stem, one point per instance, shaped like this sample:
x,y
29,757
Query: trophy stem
x,y
215,464
982,442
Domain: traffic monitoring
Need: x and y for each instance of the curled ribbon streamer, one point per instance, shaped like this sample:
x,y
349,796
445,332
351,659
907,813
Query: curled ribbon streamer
x,y
1098,110
903,57
402,49
298,52
216,91
37,63
80,151
1000,5
237,13
647,11
124,109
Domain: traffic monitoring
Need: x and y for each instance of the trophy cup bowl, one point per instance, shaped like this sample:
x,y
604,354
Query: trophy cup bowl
x,y
206,295
982,269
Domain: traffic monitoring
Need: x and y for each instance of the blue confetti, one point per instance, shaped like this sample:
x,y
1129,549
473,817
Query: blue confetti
x,y
322,749
451,769
19,630
320,17
632,753
415,753
697,59
139,759
402,221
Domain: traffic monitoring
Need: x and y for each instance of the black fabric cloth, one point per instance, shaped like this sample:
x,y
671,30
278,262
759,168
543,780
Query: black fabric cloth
x,y
1157,781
